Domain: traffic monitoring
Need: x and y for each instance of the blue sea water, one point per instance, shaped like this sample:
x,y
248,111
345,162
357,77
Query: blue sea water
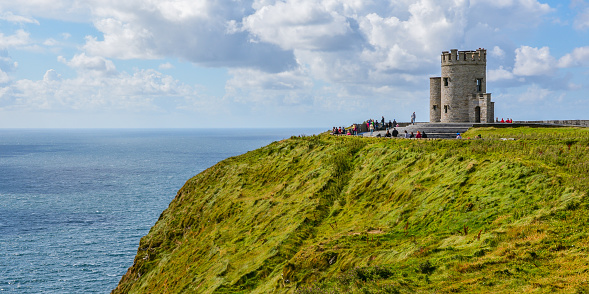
x,y
74,203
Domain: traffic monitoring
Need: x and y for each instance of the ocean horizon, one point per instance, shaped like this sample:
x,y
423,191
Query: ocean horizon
x,y
74,203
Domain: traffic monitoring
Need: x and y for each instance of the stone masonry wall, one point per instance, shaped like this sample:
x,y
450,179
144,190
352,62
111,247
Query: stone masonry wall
x,y
491,112
435,94
570,122
486,109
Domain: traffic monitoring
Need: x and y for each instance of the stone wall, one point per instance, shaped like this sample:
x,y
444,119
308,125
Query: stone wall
x,y
435,102
483,110
570,122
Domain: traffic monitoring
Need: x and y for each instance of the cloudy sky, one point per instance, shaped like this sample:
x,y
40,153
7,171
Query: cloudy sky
x,y
290,63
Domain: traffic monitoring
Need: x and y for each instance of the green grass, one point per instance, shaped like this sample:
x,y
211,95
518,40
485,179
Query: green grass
x,y
326,214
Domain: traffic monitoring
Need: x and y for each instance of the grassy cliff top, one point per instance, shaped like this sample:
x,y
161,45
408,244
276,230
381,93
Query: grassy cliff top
x,y
327,214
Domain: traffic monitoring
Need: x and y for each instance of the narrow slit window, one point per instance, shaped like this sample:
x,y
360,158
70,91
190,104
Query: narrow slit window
x,y
479,85
445,82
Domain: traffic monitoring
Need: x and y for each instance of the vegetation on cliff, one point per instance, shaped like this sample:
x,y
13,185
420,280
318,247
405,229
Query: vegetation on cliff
x,y
327,214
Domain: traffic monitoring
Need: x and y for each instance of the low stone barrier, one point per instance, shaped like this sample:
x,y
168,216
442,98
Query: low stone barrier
x,y
537,123
569,122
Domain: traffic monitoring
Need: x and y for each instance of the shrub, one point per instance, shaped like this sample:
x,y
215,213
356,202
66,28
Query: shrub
x,y
426,267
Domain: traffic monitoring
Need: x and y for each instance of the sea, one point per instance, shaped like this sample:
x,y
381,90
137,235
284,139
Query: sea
x,y
74,203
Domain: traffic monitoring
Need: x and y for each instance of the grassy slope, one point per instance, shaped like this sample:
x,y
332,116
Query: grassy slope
x,y
338,214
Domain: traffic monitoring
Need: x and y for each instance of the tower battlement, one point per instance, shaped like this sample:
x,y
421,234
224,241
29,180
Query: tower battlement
x,y
454,56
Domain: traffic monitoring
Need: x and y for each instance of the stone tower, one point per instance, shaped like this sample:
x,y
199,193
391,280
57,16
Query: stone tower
x,y
459,95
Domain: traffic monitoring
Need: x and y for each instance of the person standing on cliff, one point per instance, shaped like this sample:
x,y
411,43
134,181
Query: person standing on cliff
x,y
395,132
413,118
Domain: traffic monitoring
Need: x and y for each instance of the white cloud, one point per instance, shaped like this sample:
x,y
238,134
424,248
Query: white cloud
x,y
508,14
582,20
65,10
50,42
306,25
90,64
130,92
6,62
574,87
51,76
122,40
534,94
196,31
19,39
405,45
180,10
257,86
8,16
4,78
166,65
530,61
499,74
579,57
497,52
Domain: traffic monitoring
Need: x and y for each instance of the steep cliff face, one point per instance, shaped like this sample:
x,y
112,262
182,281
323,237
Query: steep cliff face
x,y
319,214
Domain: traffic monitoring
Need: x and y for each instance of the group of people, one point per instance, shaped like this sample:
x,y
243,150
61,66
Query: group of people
x,y
374,125
391,128
407,135
343,131
508,120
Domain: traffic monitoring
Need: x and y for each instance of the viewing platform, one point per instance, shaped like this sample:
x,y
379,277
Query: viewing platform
x,y
450,130
433,130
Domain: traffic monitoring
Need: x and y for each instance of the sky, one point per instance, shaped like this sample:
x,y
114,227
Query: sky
x,y
289,63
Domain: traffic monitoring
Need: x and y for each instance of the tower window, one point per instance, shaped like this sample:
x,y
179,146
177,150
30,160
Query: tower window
x,y
445,108
445,82
479,85
435,107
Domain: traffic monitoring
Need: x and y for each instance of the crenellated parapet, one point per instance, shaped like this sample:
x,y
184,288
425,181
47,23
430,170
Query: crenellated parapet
x,y
454,56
